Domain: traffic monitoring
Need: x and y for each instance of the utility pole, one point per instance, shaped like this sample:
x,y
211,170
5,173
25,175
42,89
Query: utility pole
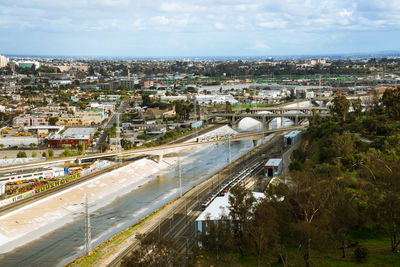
x,y
195,115
88,234
229,150
119,140
180,176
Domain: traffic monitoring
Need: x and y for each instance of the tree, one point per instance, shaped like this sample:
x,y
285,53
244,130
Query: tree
x,y
104,147
343,217
307,203
53,120
391,102
241,202
340,106
154,251
34,154
146,100
21,154
228,107
67,153
218,238
338,146
91,71
50,153
261,232
32,145
384,195
81,148
357,106
83,106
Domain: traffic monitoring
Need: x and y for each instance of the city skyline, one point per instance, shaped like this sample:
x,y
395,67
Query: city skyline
x,y
197,28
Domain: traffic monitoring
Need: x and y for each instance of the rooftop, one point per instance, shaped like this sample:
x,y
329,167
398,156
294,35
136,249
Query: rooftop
x,y
273,162
292,133
220,206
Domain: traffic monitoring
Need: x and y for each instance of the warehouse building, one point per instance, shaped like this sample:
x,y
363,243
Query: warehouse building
x,y
218,207
292,138
273,167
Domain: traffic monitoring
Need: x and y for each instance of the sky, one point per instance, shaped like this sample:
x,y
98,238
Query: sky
x,y
141,28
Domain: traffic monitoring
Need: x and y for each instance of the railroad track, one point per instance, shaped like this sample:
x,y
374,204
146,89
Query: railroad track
x,y
179,223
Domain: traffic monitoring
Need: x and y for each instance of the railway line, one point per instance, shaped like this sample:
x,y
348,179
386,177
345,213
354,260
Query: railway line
x,y
178,222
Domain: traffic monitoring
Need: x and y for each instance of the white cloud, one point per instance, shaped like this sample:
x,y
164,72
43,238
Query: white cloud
x,y
227,19
219,26
170,7
260,46
273,24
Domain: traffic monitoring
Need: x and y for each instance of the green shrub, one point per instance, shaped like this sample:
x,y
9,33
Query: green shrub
x,y
360,253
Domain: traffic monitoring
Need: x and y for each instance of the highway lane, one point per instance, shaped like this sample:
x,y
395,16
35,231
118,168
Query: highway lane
x,y
110,123
65,244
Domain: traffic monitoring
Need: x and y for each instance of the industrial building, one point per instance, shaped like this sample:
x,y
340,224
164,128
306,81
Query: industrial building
x,y
37,173
273,167
292,138
218,207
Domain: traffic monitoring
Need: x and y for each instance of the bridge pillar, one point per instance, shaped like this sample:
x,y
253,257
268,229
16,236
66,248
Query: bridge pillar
x,y
264,122
279,122
296,120
160,159
255,143
79,161
233,119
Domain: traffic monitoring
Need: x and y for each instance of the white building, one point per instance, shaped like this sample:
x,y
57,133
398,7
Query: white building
x,y
3,61
28,64
217,99
218,207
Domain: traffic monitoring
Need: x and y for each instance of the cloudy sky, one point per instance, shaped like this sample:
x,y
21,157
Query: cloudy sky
x,y
198,27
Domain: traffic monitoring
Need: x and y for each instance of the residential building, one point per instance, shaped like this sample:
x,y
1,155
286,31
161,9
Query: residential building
x,y
26,121
113,98
159,113
3,61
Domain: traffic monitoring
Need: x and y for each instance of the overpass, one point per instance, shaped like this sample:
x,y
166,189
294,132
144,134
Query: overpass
x,y
264,118
284,109
158,151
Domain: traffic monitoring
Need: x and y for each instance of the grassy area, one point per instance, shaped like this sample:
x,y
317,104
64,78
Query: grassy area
x,y
263,105
378,247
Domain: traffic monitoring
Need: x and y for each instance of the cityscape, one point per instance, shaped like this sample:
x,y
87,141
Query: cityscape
x,y
199,134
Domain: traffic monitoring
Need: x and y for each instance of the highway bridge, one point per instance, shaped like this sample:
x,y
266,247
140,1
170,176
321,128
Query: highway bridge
x,y
283,109
159,150
264,118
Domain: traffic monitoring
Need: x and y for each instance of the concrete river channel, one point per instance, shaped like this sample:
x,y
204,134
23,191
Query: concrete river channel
x,y
65,244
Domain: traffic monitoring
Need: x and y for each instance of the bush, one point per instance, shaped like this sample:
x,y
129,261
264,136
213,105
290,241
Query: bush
x,y
21,154
360,253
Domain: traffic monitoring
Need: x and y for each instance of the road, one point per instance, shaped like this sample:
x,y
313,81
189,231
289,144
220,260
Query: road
x,y
286,159
110,123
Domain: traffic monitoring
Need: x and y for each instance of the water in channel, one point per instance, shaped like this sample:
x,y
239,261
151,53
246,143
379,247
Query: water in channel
x,y
66,243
